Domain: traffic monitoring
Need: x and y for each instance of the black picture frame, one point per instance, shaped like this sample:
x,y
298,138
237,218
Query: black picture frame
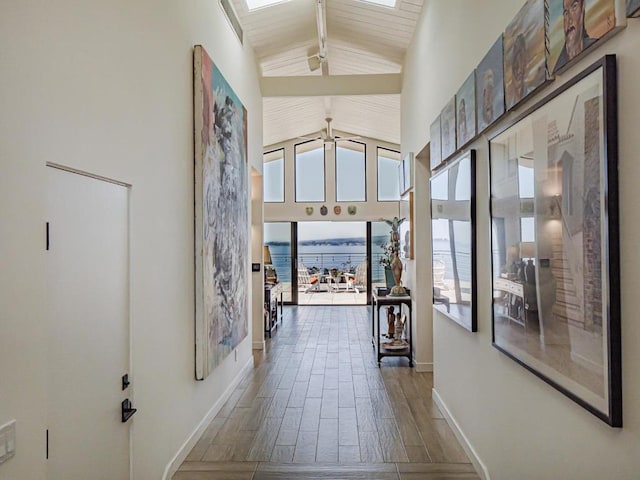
x,y
558,313
453,240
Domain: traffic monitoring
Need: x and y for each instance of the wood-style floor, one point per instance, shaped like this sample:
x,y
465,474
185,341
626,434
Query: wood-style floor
x,y
317,405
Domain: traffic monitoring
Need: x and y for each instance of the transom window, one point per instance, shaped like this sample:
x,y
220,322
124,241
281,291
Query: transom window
x,y
309,168
273,176
388,179
350,172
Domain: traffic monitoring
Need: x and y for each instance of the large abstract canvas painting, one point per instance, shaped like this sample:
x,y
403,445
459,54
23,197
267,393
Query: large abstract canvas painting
x,y
221,216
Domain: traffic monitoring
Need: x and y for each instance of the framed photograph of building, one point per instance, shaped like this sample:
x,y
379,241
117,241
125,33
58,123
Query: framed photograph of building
x,y
490,87
435,149
554,235
577,25
406,228
466,111
221,201
448,128
633,8
407,173
453,241
525,60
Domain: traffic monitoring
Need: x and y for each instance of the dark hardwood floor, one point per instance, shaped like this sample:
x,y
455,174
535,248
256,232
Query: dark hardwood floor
x,y
317,406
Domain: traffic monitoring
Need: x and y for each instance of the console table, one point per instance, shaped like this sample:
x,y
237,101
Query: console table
x,y
520,298
271,301
378,301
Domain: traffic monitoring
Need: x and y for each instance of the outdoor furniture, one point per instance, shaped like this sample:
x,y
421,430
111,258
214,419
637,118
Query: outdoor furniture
x,y
306,282
360,278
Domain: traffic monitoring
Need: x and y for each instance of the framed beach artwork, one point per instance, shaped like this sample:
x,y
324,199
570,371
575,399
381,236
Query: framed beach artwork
x,y
525,60
435,151
221,201
555,247
407,173
453,241
577,25
448,128
633,8
401,180
490,87
466,111
406,228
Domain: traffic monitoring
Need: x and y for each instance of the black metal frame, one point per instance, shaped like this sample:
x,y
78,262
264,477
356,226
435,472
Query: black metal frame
x,y
471,323
610,264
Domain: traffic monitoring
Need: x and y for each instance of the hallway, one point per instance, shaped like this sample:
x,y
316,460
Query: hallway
x,y
316,405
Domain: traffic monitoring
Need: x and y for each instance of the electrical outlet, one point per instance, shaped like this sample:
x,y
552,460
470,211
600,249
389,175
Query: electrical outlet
x,y
7,441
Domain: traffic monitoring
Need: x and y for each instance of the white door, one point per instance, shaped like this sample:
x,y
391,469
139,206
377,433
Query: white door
x,y
88,327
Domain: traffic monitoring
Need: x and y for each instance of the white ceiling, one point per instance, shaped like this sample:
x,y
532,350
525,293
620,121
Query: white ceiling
x,y
362,39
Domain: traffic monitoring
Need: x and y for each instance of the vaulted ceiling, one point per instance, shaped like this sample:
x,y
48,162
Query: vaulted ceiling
x,y
361,38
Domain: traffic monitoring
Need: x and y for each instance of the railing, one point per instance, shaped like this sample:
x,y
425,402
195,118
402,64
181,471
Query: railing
x,y
325,261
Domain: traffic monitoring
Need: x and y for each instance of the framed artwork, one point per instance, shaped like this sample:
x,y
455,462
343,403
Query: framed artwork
x,y
407,173
490,87
221,200
435,152
401,181
633,8
577,25
453,241
466,111
554,223
406,228
525,60
448,128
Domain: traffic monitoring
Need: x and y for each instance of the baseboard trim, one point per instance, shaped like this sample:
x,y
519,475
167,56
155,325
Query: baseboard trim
x,y
423,367
188,445
258,345
462,438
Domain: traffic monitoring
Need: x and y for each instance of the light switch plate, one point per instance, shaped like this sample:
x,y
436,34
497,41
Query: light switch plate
x,y
7,441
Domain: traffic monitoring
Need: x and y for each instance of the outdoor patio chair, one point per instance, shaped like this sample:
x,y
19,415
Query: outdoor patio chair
x,y
306,282
360,278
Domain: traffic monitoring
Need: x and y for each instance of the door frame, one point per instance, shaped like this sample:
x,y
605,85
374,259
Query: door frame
x,y
130,320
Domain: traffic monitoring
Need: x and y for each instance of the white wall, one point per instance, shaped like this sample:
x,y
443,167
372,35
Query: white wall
x,y
520,427
106,86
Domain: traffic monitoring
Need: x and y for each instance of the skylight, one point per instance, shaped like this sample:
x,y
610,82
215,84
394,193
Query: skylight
x,y
383,3
255,4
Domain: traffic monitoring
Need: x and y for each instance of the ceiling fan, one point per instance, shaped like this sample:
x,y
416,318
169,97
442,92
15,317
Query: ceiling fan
x,y
327,137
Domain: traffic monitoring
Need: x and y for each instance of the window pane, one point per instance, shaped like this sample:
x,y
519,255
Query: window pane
x,y
350,172
277,236
380,234
310,172
388,186
527,229
273,176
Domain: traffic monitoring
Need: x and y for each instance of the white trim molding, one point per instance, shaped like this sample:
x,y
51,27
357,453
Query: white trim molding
x,y
462,438
188,445
423,367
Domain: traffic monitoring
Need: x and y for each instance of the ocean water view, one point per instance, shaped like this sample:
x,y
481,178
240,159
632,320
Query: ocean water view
x,y
343,256
346,257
